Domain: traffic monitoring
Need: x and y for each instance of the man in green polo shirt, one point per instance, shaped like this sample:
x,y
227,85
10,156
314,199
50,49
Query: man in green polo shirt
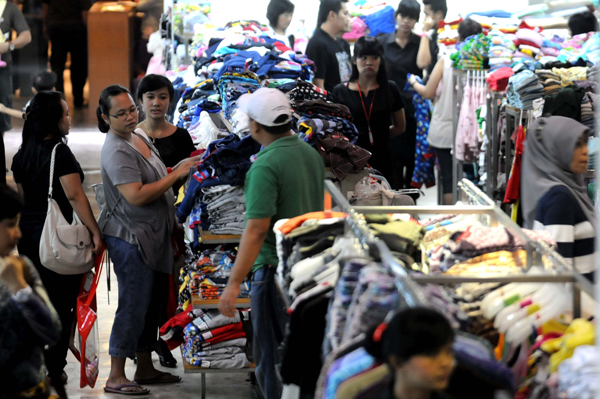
x,y
285,181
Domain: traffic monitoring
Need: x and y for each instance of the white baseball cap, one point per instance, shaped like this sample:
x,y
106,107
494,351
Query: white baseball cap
x,y
269,107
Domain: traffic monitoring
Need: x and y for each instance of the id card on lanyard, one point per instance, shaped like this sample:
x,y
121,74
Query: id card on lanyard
x,y
368,116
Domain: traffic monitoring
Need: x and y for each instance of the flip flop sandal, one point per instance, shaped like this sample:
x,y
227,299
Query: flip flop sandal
x,y
162,379
119,389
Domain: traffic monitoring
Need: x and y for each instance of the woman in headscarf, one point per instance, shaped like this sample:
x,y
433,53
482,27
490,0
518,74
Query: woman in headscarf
x,y
554,194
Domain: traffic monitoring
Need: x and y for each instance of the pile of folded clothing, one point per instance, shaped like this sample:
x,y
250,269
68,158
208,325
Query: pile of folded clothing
x,y
552,44
214,341
498,80
502,49
326,111
523,88
305,91
568,76
328,127
226,208
529,44
232,86
448,32
225,162
588,117
194,101
211,263
472,54
551,81
567,102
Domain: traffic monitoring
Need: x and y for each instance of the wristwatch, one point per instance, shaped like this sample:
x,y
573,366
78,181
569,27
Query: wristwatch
x,y
11,47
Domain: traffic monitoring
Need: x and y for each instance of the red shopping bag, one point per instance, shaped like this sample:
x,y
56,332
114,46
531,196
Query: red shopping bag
x,y
87,340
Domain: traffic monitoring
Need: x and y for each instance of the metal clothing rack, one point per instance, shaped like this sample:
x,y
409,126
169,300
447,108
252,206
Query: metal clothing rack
x,y
458,76
560,272
411,292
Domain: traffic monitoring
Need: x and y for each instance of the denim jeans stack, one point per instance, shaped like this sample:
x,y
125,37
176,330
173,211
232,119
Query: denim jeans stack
x,y
226,209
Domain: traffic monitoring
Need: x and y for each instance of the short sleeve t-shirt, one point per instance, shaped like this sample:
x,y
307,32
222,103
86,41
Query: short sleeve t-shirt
x,y
36,186
175,148
380,121
66,13
285,181
12,19
331,57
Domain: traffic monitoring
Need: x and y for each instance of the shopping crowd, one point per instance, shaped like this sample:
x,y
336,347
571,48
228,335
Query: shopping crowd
x,y
146,160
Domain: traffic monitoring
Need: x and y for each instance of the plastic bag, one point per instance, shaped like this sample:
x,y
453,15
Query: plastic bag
x,y
87,339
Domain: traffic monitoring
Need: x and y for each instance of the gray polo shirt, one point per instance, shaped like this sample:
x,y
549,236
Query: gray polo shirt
x,y
149,227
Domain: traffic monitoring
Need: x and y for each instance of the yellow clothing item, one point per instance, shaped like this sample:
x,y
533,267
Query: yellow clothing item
x,y
580,332
553,326
570,75
180,196
493,263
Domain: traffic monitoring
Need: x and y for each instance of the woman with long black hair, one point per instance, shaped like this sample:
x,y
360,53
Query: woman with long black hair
x,y
47,124
374,102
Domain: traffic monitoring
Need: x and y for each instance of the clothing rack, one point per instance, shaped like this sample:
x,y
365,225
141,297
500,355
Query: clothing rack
x,y
560,271
460,77
493,115
354,223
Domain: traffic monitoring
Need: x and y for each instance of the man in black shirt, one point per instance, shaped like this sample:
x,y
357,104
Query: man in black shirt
x,y
435,11
65,23
330,53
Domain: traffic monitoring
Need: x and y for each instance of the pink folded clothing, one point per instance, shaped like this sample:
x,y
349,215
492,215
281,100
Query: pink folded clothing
x,y
551,51
521,42
530,36
519,54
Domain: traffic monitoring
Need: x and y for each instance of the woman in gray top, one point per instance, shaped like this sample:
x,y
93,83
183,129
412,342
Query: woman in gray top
x,y
137,223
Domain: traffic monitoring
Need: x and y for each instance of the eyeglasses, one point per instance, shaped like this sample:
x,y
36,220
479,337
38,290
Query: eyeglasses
x,y
124,114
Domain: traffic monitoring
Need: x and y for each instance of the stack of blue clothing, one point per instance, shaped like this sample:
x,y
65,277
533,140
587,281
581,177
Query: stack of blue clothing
x,y
194,100
225,162
232,86
523,89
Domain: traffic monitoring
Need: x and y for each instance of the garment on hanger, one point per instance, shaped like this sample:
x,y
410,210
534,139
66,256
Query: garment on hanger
x,y
424,155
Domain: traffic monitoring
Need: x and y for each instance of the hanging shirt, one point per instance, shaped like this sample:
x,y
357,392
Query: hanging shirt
x,y
331,57
424,154
380,121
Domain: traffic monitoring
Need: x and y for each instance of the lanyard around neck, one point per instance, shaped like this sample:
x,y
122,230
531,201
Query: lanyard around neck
x,y
368,116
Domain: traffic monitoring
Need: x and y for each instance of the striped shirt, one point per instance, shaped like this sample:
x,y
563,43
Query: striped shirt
x,y
559,213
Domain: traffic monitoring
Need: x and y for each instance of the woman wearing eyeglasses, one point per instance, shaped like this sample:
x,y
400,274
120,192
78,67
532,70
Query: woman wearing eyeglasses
x,y
47,125
137,223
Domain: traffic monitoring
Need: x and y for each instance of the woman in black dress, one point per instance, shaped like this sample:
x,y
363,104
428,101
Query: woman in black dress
x,y
174,144
47,125
374,102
